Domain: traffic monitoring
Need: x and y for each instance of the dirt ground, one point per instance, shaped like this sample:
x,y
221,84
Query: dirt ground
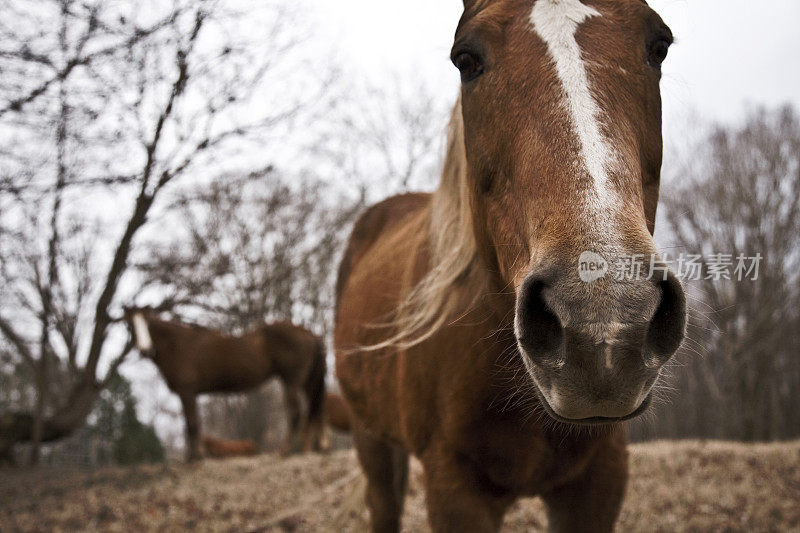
x,y
675,486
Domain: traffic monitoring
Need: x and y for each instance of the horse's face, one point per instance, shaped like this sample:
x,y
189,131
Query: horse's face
x,y
562,123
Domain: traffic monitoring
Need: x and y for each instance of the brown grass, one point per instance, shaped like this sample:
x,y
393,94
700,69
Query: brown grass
x,y
675,486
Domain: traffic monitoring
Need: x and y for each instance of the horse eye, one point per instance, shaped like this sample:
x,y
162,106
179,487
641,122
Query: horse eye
x,y
469,65
657,52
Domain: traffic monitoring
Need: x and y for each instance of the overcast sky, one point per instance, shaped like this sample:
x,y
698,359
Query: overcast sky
x,y
729,53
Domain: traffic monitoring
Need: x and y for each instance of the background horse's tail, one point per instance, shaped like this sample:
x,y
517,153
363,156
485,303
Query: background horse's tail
x,y
315,391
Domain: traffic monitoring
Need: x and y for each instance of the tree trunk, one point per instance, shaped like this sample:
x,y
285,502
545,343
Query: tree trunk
x,y
37,431
19,427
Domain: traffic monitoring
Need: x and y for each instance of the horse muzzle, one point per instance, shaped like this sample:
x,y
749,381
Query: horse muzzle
x,y
596,351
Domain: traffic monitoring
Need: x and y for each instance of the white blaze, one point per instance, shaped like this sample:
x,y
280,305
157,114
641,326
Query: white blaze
x,y
556,22
143,341
612,330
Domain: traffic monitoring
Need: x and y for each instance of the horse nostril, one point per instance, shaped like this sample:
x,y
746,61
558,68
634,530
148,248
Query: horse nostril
x,y
668,326
538,329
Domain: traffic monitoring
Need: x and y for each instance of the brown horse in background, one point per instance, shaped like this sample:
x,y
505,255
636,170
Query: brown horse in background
x,y
337,413
195,360
482,328
220,449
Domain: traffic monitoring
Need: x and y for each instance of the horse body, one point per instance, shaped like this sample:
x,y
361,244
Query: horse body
x,y
195,360
209,362
466,333
460,401
337,413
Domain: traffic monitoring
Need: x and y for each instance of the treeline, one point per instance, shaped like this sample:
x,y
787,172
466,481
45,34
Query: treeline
x,y
737,194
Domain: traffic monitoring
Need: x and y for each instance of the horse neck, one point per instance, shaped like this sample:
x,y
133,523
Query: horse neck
x,y
160,332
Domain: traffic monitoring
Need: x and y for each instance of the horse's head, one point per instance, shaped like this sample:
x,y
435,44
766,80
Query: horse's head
x,y
137,319
562,127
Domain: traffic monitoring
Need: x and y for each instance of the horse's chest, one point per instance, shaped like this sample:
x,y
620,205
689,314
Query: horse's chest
x,y
513,457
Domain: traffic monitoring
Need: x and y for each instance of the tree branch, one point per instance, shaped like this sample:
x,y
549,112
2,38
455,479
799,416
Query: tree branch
x,y
17,341
63,73
143,204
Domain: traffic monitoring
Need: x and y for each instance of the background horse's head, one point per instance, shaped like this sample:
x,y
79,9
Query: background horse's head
x,y
562,128
137,319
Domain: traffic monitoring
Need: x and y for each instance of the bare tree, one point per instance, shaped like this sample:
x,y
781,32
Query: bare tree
x,y
738,194
253,248
384,141
102,102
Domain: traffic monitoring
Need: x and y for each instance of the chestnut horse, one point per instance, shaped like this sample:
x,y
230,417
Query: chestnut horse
x,y
194,360
481,327
220,449
337,414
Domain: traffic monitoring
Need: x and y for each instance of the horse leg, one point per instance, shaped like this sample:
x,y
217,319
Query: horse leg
x,y
294,419
315,405
189,402
321,441
7,455
593,501
386,470
309,428
313,435
457,499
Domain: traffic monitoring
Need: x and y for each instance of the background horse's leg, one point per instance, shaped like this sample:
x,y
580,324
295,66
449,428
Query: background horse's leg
x,y
593,501
386,469
294,419
312,432
314,420
192,417
318,435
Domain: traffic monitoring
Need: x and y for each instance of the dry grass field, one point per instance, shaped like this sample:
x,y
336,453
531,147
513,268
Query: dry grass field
x,y
676,486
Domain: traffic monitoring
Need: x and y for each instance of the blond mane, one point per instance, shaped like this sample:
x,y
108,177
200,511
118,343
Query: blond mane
x,y
433,302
